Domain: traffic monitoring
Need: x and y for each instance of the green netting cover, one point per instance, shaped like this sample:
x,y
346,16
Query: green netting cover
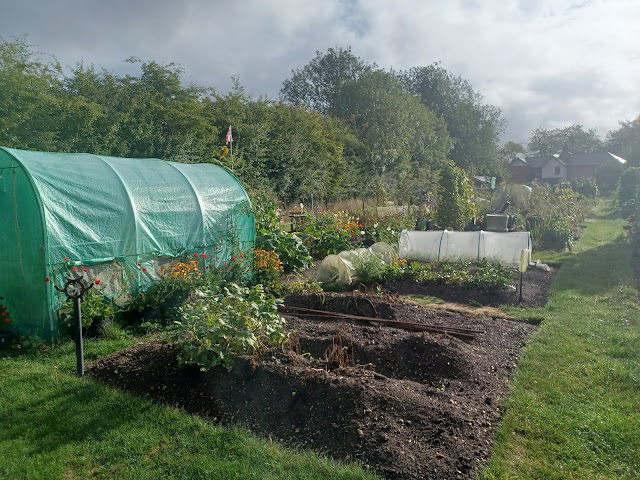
x,y
118,220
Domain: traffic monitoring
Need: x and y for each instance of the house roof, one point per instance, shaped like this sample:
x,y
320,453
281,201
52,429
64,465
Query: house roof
x,y
570,160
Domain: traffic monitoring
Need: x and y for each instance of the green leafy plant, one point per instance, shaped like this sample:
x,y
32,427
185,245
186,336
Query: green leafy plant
x,y
331,242
291,251
333,232
95,307
225,322
477,275
387,228
489,276
265,212
267,270
369,267
455,205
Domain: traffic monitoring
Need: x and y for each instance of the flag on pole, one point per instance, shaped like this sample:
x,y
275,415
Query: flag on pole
x,y
229,137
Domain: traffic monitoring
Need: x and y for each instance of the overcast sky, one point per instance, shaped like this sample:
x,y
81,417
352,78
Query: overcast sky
x,y
545,63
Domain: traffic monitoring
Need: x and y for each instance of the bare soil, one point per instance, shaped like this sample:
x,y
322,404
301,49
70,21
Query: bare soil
x,y
411,405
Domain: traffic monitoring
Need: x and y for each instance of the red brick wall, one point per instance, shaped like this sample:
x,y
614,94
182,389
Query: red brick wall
x,y
519,174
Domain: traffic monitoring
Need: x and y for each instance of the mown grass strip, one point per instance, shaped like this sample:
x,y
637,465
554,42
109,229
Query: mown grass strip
x,y
573,409
58,426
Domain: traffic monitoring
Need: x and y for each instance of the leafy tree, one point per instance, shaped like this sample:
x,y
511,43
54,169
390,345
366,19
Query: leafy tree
x,y
625,142
455,204
319,84
573,139
389,135
475,126
33,111
398,134
629,184
150,115
304,157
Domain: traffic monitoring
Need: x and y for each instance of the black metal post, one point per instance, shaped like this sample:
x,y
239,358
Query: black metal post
x,y
520,299
77,311
75,289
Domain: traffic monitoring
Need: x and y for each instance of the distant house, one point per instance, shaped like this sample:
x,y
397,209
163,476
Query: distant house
x,y
559,166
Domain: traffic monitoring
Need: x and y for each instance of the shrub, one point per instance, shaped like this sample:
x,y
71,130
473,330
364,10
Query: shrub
x,y
585,186
561,210
552,234
455,205
225,322
629,184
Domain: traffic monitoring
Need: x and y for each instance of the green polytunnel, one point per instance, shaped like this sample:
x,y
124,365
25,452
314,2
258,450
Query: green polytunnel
x,y
117,220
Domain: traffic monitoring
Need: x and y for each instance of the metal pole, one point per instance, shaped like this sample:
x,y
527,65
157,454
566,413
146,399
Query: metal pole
x,y
520,299
79,347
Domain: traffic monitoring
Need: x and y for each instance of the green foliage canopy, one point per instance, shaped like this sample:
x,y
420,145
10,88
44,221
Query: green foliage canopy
x,y
573,139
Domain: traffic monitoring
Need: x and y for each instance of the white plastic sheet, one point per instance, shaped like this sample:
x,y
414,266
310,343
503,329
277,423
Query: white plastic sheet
x,y
445,246
339,268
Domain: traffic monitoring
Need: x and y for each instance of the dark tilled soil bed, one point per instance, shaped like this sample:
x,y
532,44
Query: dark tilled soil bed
x,y
535,285
412,405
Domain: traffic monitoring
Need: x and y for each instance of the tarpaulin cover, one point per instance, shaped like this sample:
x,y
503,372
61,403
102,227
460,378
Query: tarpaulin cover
x,y
340,268
119,219
445,246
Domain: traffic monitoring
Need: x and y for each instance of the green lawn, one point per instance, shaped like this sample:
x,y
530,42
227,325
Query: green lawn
x,y
573,411
55,425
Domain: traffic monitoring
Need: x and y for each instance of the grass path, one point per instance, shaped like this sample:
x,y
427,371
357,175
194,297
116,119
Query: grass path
x,y
54,425
573,411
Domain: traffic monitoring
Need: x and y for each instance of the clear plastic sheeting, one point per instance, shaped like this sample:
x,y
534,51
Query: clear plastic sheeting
x,y
340,269
445,246
335,269
117,220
